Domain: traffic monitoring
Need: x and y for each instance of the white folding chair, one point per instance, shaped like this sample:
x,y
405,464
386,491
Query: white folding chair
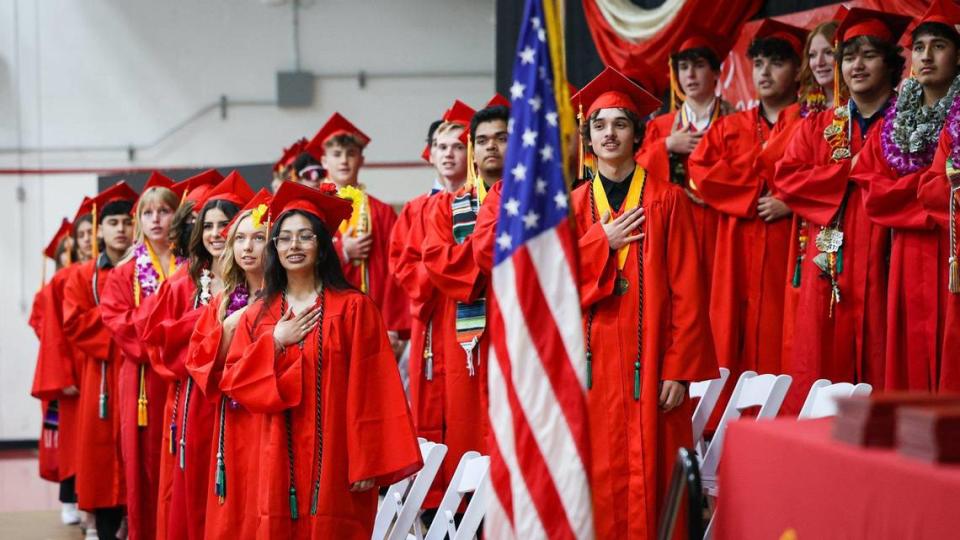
x,y
401,504
709,392
765,391
821,401
470,477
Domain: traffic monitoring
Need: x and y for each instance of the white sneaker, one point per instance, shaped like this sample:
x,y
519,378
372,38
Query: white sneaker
x,y
91,534
69,514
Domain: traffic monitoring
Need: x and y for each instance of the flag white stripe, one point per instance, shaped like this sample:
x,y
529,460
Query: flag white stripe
x,y
556,281
525,517
539,403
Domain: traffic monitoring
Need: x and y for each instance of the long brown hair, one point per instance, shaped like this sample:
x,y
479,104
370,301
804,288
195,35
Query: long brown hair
x,y
200,258
232,274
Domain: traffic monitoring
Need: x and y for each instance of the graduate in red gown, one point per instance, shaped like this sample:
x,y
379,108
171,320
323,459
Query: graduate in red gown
x,y
100,482
232,471
816,95
313,357
643,301
168,328
141,392
889,171
58,370
938,195
363,242
753,227
670,138
839,331
449,262
47,378
431,318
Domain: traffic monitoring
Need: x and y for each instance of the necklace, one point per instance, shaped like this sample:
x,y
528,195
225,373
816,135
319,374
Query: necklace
x,y
911,129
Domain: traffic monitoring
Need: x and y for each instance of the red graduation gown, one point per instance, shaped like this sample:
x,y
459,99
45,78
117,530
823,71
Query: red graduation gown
x,y
428,320
48,462
58,369
455,274
139,446
916,303
934,197
747,292
366,428
236,516
183,491
634,443
100,482
384,289
849,346
654,157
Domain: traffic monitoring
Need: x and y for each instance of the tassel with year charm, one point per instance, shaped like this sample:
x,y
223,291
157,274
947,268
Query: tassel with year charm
x,y
142,399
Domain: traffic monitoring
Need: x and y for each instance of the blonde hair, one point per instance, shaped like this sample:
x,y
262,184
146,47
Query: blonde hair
x,y
447,127
231,273
153,195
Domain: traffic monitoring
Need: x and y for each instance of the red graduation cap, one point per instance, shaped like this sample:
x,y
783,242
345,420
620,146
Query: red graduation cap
x,y
498,100
65,228
157,179
703,38
425,155
612,89
336,125
945,12
121,191
290,155
459,113
329,208
869,22
774,29
197,186
234,188
261,198
86,207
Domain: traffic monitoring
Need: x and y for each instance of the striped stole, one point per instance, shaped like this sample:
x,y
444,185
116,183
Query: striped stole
x,y
471,317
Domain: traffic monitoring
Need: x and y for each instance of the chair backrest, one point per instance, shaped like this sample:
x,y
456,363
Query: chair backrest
x,y
469,477
765,391
405,497
709,392
408,508
821,401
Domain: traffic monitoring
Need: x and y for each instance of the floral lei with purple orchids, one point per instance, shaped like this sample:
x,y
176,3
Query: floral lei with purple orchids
x,y
911,130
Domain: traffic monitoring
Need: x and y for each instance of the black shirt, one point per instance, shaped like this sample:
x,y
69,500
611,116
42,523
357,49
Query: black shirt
x,y
865,123
616,191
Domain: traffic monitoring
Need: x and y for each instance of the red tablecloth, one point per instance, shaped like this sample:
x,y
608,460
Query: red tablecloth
x,y
783,475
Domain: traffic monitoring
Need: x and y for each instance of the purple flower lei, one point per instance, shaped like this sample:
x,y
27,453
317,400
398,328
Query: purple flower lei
x,y
238,299
953,129
907,162
147,276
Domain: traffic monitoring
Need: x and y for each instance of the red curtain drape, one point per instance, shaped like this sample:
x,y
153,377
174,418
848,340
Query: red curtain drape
x,y
647,61
725,17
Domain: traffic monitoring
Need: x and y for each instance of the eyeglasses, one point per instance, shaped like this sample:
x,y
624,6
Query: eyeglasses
x,y
303,238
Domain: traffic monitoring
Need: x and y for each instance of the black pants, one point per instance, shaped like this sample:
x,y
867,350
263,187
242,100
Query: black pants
x,y
68,490
108,522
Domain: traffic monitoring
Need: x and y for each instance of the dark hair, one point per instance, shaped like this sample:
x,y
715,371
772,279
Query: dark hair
x,y
772,48
892,57
180,230
61,248
75,250
936,29
304,160
200,258
327,269
489,114
115,208
432,129
638,129
692,55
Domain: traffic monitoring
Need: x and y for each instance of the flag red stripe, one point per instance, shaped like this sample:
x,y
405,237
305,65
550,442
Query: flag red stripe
x,y
553,354
536,475
500,479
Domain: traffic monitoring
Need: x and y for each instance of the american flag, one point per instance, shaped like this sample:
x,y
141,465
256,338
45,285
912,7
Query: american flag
x,y
540,448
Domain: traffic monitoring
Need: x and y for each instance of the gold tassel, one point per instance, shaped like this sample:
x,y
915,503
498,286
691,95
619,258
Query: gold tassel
x,y
837,101
94,243
676,93
142,400
580,171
